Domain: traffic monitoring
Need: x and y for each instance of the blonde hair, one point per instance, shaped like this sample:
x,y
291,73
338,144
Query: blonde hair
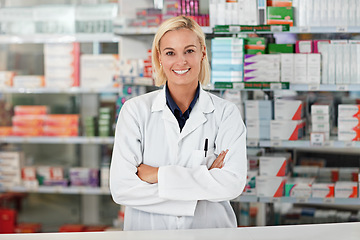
x,y
172,24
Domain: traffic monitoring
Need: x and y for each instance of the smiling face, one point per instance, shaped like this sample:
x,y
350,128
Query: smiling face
x,y
180,56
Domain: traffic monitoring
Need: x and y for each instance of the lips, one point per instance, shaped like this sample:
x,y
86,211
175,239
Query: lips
x,y
180,72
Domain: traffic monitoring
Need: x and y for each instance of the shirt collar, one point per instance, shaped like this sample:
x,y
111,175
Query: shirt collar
x,y
173,106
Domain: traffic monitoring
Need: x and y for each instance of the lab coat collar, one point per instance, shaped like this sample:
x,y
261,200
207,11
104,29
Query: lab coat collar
x,y
205,103
197,117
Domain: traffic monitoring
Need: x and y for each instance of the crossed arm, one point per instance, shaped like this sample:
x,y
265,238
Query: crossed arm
x,y
150,174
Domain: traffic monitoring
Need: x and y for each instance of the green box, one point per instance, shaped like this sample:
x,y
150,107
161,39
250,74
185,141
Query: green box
x,y
280,15
281,48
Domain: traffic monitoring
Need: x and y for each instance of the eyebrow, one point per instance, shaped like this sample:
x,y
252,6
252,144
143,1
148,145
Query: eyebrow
x,y
169,48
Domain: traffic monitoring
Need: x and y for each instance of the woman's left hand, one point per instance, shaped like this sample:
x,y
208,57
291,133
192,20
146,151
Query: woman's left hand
x,y
147,173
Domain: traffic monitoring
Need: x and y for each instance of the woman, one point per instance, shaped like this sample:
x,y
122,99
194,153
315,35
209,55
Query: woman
x,y
180,152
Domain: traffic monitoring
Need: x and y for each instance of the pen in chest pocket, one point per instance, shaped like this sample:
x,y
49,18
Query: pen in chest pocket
x,y
206,146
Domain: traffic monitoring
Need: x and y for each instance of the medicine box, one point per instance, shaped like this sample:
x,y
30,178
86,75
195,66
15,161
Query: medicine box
x,y
346,189
258,129
274,48
250,186
298,187
323,190
304,46
287,129
349,110
28,81
280,15
98,71
6,78
270,186
306,171
349,174
273,166
259,109
289,109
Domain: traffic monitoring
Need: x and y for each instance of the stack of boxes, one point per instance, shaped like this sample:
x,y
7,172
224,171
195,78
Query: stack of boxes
x,y
99,71
227,60
61,64
288,123
273,171
348,122
28,120
258,115
10,169
321,122
262,68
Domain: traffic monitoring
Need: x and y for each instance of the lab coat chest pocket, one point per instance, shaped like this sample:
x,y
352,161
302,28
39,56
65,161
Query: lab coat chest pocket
x,y
198,158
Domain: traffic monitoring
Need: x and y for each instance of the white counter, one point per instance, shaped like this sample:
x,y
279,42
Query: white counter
x,y
342,231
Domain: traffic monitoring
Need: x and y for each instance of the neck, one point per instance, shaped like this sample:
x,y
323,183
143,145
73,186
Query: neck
x,y
183,96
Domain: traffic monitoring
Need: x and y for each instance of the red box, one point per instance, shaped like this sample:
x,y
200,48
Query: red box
x,y
7,220
72,228
28,228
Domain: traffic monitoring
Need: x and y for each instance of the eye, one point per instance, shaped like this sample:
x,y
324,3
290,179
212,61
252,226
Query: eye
x,y
189,51
169,53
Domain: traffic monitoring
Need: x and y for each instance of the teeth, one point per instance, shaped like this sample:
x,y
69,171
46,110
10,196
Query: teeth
x,y
182,71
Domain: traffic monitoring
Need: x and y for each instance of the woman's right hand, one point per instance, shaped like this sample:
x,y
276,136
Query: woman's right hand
x,y
219,161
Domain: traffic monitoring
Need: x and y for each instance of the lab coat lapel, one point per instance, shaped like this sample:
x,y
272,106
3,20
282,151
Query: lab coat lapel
x,y
197,116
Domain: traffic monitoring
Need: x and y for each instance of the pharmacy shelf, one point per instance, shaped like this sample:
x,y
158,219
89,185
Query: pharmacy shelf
x,y
57,140
337,201
146,30
304,144
143,81
325,87
58,38
70,90
325,29
59,190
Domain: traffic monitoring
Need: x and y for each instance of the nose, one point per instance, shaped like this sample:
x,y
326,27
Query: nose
x,y
182,59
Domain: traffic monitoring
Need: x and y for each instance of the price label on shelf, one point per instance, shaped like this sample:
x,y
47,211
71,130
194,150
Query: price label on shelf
x,y
275,86
275,199
304,29
317,139
341,29
275,28
234,28
329,200
275,143
314,87
328,144
301,200
350,144
252,143
342,87
238,85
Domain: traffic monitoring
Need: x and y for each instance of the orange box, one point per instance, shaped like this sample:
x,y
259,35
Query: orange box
x,y
279,3
61,120
28,228
61,131
30,110
72,228
27,131
6,78
6,131
28,120
7,220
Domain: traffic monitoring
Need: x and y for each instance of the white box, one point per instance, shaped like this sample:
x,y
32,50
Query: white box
x,y
257,129
270,186
348,173
273,166
288,109
250,186
98,71
348,124
323,190
345,189
300,70
258,109
286,129
28,81
306,171
321,109
348,135
287,67
314,68
320,118
320,127
348,110
331,64
299,187
6,78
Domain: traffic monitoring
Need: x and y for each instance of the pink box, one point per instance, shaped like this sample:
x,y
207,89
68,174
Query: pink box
x,y
304,46
317,45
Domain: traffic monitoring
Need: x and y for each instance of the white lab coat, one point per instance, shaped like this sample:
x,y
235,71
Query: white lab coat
x,y
187,194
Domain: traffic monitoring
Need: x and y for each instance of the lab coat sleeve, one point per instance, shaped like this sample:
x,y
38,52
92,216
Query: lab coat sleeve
x,y
125,186
199,183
